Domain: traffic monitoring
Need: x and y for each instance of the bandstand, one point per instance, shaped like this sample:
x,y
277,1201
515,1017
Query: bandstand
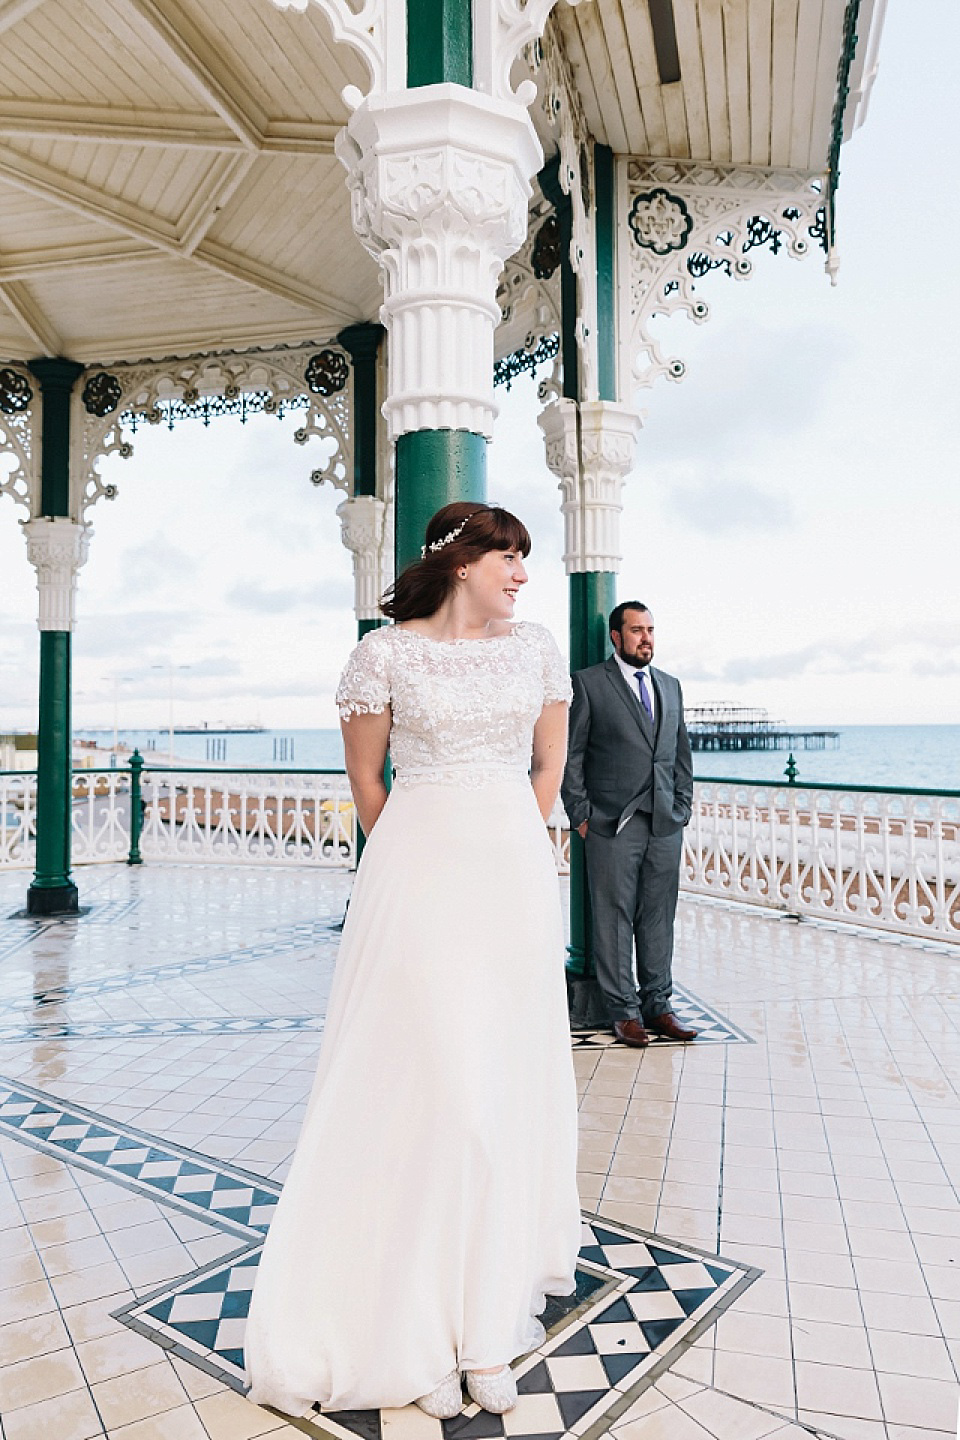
x,y
371,213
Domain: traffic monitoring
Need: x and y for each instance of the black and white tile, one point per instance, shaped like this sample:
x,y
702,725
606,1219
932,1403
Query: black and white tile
x,y
712,1028
640,1299
639,1302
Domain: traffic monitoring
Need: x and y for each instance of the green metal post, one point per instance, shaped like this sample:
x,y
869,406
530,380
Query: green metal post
x,y
362,342
791,770
549,179
136,809
592,596
605,233
439,42
52,891
434,468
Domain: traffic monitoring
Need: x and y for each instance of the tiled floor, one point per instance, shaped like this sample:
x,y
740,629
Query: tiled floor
x,y
155,1060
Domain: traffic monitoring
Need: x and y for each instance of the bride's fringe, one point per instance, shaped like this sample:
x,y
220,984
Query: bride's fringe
x,y
422,587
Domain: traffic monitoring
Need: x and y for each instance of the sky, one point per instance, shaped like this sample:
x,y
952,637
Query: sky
x,y
792,521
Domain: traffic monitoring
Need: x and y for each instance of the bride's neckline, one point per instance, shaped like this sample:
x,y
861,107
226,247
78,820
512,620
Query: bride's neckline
x,y
463,640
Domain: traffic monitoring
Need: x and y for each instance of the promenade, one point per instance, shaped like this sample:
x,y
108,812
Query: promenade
x,y
793,1175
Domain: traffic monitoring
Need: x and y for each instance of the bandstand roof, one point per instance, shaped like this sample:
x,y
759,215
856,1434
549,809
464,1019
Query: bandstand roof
x,y
167,175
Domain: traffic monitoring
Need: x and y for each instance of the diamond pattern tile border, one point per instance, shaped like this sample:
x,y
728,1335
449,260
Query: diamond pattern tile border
x,y
234,1199
639,1302
712,1027
131,1029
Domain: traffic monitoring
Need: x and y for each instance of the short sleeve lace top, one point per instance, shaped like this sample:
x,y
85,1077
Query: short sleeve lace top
x,y
462,710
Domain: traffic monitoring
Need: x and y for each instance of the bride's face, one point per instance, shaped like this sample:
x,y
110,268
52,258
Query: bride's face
x,y
493,582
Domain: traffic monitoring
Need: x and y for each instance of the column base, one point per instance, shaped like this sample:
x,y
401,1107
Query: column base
x,y
53,899
588,1009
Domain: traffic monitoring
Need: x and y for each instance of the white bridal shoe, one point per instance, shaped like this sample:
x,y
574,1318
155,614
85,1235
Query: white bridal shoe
x,y
496,1393
445,1400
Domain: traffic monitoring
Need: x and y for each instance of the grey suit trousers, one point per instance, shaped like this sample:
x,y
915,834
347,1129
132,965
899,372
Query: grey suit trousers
x,y
634,882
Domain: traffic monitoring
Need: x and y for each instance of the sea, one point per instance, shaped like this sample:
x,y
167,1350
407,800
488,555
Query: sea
x,y
894,756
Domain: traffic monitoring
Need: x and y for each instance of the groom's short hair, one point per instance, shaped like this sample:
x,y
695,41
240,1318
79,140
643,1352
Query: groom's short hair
x,y
616,615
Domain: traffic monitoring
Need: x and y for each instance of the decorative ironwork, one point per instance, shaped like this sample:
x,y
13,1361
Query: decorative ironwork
x,y
210,407
699,265
327,372
818,230
219,383
660,221
848,49
534,353
547,249
732,211
15,392
101,394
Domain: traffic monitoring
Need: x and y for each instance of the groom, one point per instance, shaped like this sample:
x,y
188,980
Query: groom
x,y
628,790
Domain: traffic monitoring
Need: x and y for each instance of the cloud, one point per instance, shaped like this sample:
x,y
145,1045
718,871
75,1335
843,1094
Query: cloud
x,y
723,506
331,594
123,633
936,653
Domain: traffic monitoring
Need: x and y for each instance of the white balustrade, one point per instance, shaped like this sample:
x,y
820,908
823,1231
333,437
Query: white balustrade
x,y
246,818
889,860
100,816
884,859
18,819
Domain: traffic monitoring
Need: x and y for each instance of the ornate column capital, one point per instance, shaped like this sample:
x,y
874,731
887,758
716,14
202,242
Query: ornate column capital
x,y
363,528
440,183
57,547
590,448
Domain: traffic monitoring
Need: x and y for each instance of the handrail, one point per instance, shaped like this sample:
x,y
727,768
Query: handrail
x,y
829,785
698,779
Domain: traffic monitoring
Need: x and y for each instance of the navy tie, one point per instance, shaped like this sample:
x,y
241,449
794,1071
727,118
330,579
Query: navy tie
x,y
644,697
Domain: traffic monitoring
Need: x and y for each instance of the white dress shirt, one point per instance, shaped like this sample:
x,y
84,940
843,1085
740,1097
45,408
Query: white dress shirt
x,y
630,673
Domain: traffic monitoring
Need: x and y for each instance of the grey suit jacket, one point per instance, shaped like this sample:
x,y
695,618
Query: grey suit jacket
x,y
618,762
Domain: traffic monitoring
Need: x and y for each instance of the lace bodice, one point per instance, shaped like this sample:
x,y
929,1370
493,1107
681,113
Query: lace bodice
x,y
462,710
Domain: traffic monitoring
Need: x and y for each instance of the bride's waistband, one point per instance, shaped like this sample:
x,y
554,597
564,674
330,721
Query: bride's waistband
x,y
466,774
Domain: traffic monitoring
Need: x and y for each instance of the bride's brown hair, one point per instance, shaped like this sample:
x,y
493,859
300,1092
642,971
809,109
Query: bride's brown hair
x,y
422,587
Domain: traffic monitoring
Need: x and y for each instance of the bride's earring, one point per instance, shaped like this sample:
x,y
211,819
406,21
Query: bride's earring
x,y
462,573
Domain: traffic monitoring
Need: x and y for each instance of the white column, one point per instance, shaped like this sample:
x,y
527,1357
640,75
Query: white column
x,y
591,449
57,547
440,184
362,522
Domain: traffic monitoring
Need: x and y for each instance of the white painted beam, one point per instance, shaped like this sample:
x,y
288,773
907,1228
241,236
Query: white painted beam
x,y
49,184
202,69
31,318
116,125
12,11
262,277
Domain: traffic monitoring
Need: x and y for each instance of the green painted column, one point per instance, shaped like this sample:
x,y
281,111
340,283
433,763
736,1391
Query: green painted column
x,y
53,891
362,343
592,592
439,42
434,468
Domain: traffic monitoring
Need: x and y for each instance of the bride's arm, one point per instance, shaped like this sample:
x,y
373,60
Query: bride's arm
x,y
365,740
549,755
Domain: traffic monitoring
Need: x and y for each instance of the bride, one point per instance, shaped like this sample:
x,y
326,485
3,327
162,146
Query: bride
x,y
431,1205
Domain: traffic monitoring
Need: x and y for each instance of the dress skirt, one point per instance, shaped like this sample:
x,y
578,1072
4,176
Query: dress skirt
x,y
431,1204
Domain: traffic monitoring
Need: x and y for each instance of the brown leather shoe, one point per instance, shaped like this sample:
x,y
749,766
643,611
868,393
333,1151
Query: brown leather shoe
x,y
631,1032
669,1026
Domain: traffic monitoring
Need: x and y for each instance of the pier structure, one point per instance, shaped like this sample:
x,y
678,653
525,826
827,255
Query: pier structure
x,y
370,216
748,727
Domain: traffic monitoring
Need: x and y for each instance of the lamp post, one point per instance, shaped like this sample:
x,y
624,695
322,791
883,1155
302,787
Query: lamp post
x,y
170,667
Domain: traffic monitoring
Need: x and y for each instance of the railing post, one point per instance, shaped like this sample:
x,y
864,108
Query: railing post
x,y
791,770
136,814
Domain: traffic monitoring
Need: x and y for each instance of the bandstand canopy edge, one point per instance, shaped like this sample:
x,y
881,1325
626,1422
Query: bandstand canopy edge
x,y
167,177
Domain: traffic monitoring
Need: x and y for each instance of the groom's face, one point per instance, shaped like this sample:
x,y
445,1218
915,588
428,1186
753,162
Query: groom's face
x,y
634,642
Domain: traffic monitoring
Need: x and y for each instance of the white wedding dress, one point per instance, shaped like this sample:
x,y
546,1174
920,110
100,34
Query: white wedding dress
x,y
431,1204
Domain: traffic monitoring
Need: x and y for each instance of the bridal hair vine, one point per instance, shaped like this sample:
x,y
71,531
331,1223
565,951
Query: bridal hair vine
x,y
447,539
